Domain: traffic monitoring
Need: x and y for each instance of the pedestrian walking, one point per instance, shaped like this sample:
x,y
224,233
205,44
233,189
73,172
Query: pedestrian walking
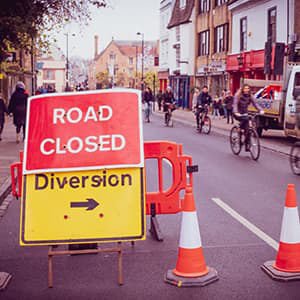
x,y
224,94
216,107
147,99
3,111
17,107
229,106
160,96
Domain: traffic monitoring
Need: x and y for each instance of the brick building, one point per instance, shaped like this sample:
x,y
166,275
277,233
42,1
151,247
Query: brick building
x,y
120,63
212,35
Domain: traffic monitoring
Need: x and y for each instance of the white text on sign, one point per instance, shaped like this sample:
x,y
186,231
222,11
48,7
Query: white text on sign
x,y
107,142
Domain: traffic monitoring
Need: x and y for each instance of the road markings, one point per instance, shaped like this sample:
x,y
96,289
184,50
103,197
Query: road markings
x,y
247,224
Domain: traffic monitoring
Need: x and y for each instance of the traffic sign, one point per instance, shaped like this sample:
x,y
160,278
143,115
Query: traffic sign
x,y
83,206
84,131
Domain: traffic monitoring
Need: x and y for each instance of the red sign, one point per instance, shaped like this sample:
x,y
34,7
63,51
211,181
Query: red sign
x,y
81,131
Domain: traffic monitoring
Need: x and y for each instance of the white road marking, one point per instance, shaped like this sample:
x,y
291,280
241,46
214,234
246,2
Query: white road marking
x,y
247,224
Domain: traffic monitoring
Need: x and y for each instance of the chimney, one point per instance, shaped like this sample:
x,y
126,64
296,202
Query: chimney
x,y
96,45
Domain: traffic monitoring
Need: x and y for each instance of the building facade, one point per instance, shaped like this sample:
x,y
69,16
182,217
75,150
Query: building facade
x,y
166,7
122,63
212,35
262,30
181,55
51,68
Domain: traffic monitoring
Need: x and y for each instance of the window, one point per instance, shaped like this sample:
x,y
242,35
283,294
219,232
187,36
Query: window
x,y
220,2
177,34
112,56
177,57
203,43
182,4
272,24
131,60
203,6
243,34
221,38
48,74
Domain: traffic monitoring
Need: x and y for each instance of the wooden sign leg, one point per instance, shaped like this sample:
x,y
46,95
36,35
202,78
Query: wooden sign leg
x,y
120,265
50,268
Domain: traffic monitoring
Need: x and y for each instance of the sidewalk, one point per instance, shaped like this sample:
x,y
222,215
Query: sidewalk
x,y
274,140
9,153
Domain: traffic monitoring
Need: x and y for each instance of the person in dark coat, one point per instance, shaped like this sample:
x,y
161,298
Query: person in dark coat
x,y
229,106
17,107
3,110
147,99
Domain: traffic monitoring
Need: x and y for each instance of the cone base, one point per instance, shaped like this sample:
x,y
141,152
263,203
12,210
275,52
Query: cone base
x,y
179,281
275,274
4,279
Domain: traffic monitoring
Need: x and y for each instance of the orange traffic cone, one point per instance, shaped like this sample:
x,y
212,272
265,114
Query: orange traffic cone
x,y
191,269
287,264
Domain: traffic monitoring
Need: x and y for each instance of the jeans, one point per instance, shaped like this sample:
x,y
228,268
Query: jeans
x,y
18,129
229,115
216,112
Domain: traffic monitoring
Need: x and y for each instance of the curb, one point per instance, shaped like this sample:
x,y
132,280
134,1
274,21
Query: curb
x,y
5,189
221,131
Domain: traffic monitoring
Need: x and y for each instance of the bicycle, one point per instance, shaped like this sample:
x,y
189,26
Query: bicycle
x,y
237,138
295,158
204,120
168,121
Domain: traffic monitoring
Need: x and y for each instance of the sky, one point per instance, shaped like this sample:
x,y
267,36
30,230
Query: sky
x,y
122,22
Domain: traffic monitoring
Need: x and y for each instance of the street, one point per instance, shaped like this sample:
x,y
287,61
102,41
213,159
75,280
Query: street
x,y
255,190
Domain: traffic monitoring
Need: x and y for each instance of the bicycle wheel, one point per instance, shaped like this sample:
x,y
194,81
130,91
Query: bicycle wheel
x,y
254,144
206,126
295,158
235,140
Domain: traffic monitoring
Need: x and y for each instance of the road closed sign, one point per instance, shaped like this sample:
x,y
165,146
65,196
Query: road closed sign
x,y
83,206
84,131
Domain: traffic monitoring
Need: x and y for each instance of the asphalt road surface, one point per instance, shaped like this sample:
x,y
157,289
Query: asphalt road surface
x,y
255,190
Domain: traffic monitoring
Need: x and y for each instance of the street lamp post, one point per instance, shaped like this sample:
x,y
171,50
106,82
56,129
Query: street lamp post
x,y
142,34
67,60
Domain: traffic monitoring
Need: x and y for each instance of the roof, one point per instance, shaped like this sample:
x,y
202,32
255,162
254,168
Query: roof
x,y
181,16
129,47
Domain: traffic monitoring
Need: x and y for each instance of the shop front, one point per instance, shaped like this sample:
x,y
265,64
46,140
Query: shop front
x,y
163,77
181,89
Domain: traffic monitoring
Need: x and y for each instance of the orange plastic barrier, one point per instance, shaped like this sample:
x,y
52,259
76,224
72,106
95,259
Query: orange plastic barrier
x,y
16,181
168,201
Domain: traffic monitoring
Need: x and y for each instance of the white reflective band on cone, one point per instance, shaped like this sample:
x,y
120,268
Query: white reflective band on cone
x,y
189,234
290,228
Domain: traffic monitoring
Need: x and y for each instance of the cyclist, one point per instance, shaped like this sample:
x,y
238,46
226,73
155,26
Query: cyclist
x,y
203,101
168,100
242,99
148,98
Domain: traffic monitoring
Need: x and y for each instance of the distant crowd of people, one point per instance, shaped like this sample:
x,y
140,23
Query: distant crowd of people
x,y
221,106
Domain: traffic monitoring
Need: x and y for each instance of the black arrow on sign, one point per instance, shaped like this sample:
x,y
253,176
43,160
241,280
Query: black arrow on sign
x,y
90,204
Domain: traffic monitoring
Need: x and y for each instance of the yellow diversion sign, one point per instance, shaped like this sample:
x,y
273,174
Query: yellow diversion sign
x,y
83,206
